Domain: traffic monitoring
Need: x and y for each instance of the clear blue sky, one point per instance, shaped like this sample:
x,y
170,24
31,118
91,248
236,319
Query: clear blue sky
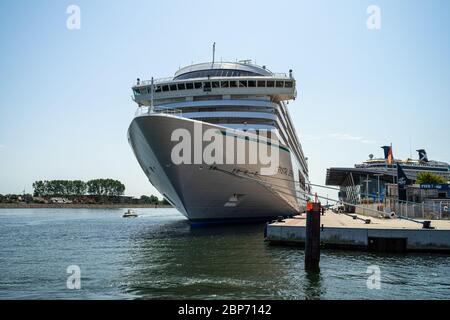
x,y
65,101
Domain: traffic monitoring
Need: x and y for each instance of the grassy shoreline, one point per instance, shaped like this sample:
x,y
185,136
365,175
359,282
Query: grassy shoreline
x,y
78,206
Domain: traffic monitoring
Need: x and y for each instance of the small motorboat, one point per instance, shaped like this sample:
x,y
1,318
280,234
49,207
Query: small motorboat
x,y
130,214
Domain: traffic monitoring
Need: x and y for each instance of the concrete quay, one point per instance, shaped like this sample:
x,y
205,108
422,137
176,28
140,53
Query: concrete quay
x,y
380,235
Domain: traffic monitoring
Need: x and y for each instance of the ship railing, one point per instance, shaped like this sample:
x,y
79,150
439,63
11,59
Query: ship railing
x,y
173,112
381,164
170,79
155,81
148,110
279,75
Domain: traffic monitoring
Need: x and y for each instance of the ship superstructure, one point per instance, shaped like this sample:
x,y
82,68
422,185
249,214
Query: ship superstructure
x,y
411,166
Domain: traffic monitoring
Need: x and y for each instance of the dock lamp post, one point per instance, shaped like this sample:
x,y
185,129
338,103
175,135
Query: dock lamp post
x,y
378,175
367,188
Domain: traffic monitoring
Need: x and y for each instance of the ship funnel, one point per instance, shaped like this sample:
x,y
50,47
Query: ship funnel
x,y
422,155
386,151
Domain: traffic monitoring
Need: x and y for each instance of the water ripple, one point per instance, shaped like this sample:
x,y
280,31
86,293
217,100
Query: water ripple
x,y
158,255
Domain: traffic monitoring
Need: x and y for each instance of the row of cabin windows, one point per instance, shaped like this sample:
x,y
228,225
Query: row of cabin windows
x,y
269,134
245,121
208,85
227,109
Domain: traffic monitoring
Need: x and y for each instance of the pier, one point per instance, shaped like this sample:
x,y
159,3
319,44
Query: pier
x,y
354,231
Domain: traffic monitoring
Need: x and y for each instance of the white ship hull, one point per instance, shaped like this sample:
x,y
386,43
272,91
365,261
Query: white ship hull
x,y
203,192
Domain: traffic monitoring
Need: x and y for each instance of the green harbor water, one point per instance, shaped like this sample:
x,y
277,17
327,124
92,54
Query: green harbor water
x,y
160,256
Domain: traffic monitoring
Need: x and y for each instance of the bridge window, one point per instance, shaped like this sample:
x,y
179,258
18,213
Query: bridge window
x,y
252,84
288,84
198,85
279,84
215,84
224,84
270,84
181,86
158,89
233,84
262,84
189,86
165,88
173,87
207,86
243,84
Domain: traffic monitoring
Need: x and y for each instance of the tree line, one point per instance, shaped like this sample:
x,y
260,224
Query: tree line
x,y
153,200
97,187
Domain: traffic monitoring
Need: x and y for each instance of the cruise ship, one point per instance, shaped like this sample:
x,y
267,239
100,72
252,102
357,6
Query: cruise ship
x,y
247,105
370,178
411,167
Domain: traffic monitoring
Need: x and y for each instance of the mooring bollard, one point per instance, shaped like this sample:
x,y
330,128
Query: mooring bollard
x,y
312,239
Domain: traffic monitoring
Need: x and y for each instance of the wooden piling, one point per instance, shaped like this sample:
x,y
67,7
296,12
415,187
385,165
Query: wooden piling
x,y
312,239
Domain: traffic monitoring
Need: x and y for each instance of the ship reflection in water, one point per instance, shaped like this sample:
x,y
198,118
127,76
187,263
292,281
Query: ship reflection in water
x,y
178,261
158,255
